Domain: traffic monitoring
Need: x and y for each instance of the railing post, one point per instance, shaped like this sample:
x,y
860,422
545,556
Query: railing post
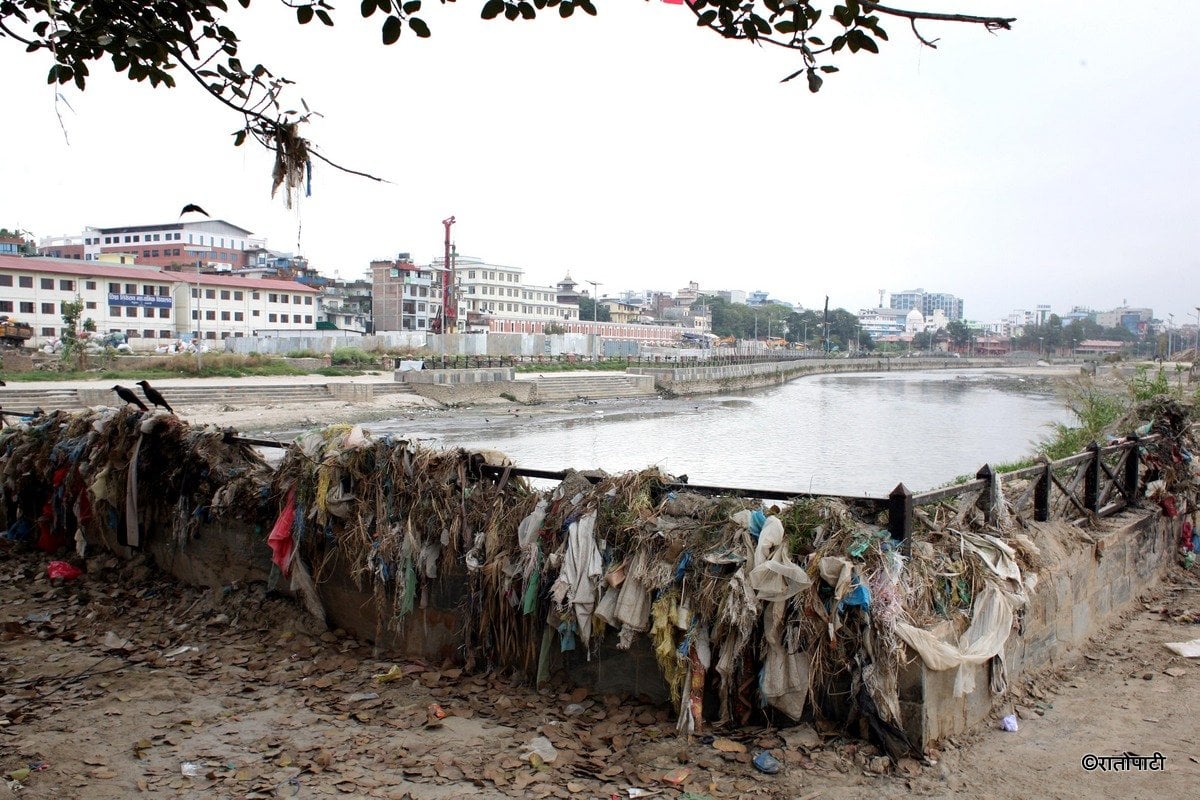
x,y
1132,472
900,516
985,474
1041,495
1091,482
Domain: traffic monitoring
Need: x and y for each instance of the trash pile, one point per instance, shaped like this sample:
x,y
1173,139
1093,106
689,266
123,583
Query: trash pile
x,y
111,478
780,612
1172,472
751,613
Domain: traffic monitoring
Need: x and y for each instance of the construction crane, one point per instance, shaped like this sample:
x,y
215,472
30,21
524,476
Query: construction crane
x,y
449,307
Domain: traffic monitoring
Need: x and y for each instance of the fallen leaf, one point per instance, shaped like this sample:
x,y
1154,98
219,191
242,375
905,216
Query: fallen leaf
x,y
678,777
729,746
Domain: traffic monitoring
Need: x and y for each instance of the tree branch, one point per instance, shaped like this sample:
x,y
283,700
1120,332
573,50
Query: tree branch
x,y
928,43
991,23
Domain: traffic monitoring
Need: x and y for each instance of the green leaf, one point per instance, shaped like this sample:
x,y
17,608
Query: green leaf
x,y
323,15
239,138
526,10
829,69
867,43
707,18
492,9
814,81
419,27
566,9
786,26
367,8
412,6
391,29
304,14
587,6
511,12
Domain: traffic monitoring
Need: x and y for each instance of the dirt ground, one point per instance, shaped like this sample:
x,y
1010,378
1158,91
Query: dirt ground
x,y
123,683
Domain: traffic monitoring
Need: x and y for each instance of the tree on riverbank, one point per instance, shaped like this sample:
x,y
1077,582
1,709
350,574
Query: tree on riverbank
x,y
157,40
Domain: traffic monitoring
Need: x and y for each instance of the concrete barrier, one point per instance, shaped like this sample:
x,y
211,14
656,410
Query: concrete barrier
x,y
1088,579
454,377
352,392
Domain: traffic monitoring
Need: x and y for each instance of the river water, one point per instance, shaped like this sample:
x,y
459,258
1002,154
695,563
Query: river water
x,y
843,434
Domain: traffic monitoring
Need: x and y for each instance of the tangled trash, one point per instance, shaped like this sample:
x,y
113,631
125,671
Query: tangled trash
x,y
802,610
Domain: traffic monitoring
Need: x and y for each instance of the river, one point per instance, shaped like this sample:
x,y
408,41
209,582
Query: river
x,y
844,434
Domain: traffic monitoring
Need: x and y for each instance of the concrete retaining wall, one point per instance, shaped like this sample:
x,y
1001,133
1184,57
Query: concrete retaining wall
x,y
284,344
734,377
467,393
1089,579
455,377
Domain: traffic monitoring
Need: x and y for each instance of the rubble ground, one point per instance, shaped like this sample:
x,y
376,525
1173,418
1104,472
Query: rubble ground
x,y
124,683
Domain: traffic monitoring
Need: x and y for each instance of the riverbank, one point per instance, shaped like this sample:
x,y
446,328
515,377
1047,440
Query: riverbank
x,y
257,416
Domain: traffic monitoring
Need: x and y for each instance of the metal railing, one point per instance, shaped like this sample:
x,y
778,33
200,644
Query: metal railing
x,y
1098,482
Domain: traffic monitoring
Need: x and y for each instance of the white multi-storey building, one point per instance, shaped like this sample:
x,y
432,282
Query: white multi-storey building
x,y
490,293
211,243
148,304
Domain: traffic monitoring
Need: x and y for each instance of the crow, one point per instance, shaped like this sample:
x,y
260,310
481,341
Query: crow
x,y
129,397
193,207
153,396
2,383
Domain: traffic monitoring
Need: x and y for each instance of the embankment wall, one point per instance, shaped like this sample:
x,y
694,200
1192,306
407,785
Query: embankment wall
x,y
735,377
1088,578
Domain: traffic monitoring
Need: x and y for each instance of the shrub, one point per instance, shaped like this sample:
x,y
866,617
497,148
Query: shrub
x,y
352,356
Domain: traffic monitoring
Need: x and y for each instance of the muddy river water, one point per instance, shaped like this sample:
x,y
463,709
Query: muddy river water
x,y
852,434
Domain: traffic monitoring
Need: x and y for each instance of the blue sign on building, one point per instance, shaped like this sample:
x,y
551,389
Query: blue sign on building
x,y
144,300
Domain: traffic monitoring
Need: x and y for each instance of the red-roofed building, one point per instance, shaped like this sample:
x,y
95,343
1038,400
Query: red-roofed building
x,y
210,244
148,304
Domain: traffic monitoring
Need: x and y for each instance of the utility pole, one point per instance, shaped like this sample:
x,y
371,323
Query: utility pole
x,y
449,310
825,330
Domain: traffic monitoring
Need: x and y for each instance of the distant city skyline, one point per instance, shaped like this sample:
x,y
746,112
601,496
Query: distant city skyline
x,y
1040,166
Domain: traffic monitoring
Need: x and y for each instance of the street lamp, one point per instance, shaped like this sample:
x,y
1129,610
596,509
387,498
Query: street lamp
x,y
595,299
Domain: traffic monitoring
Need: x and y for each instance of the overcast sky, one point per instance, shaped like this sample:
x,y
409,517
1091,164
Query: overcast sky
x,y
1056,163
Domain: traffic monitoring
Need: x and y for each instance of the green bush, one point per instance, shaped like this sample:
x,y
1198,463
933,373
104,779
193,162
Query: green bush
x,y
352,357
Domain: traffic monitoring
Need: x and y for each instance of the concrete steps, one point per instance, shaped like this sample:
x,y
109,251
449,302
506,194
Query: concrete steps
x,y
593,387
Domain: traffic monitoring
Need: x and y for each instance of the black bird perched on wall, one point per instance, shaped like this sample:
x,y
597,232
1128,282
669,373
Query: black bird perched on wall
x,y
129,397
193,207
2,383
153,396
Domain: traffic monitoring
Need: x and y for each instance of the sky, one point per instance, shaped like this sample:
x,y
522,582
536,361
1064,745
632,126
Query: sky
x,y
1054,163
